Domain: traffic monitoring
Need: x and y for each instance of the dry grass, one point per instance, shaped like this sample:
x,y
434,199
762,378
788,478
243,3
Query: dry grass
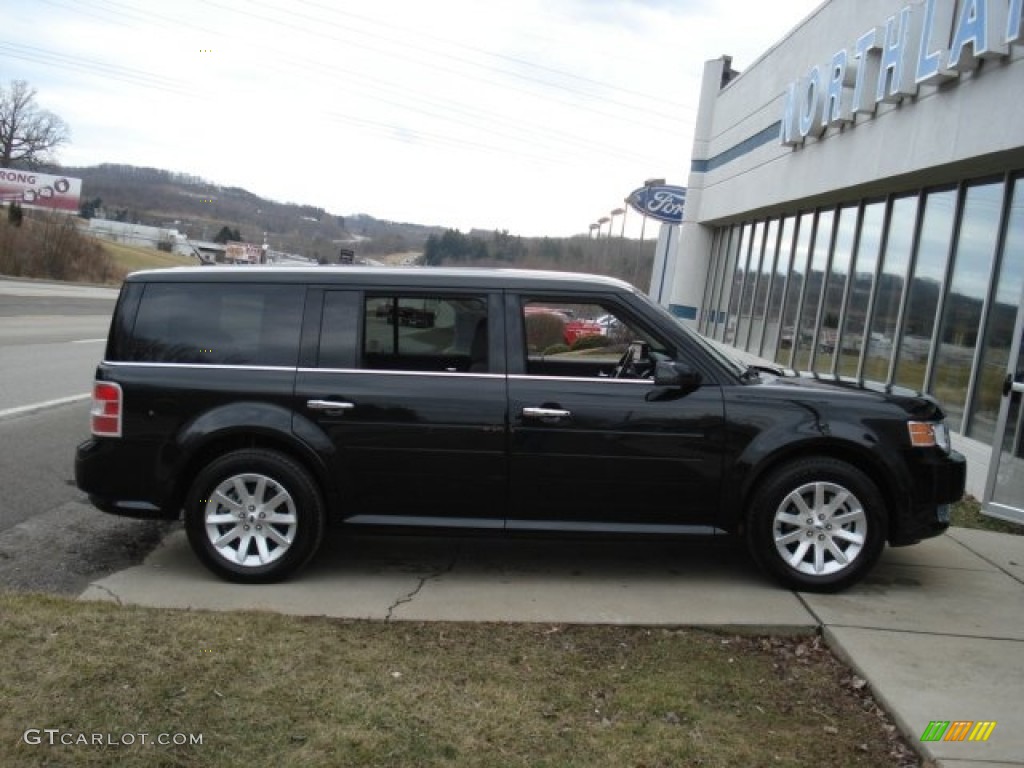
x,y
967,514
130,258
274,690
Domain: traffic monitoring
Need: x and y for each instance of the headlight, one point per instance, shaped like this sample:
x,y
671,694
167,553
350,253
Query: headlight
x,y
929,434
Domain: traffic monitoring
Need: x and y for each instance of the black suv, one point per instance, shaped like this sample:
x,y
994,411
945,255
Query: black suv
x,y
268,403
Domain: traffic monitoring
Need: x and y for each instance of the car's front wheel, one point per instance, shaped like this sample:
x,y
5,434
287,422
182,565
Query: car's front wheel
x,y
817,524
254,516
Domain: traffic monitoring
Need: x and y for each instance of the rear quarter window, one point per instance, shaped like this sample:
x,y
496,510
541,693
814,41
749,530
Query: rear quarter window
x,y
216,324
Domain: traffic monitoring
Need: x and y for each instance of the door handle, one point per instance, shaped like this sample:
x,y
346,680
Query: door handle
x,y
330,406
1010,384
547,415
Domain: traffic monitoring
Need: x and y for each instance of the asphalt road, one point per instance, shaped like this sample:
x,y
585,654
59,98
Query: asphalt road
x,y
51,539
51,337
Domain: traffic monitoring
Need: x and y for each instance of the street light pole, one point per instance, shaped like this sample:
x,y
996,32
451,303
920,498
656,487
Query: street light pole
x,y
643,224
615,212
600,223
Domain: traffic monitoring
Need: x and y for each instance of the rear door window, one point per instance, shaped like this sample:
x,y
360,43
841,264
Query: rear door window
x,y
217,324
426,333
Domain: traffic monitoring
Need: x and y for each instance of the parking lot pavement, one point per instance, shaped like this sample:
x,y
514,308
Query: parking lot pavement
x,y
938,632
937,629
474,579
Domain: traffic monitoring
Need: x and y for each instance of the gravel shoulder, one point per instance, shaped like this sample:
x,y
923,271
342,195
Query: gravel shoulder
x,y
63,550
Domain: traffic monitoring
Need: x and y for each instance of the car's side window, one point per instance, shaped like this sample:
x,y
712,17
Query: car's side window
x,y
218,323
581,338
425,333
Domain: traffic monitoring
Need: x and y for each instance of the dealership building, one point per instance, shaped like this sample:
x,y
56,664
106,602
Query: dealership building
x,y
855,207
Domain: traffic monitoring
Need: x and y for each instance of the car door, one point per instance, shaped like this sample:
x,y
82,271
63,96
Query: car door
x,y
594,451
409,388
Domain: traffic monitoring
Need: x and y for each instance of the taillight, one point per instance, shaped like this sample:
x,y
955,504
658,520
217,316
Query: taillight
x,y
106,409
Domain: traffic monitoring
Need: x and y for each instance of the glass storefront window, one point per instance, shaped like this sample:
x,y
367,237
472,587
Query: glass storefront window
x,y
835,289
962,312
926,287
736,290
812,296
750,285
708,312
794,290
725,283
764,282
863,276
889,292
777,293
998,341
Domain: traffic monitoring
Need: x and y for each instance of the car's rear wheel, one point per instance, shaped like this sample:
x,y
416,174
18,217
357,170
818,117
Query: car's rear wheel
x,y
817,524
254,516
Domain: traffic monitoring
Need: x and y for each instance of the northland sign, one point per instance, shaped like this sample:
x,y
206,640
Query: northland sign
x,y
925,43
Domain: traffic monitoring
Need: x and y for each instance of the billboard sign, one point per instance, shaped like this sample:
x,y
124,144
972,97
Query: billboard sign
x,y
39,190
664,203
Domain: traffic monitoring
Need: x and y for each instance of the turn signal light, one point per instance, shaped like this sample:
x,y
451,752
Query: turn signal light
x,y
929,434
106,409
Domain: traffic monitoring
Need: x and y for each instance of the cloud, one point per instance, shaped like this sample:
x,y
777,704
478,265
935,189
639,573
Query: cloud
x,y
532,116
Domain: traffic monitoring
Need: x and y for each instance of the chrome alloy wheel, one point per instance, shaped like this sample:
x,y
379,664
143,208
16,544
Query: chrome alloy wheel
x,y
819,528
250,519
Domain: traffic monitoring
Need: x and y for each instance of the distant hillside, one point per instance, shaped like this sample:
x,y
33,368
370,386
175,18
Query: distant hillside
x,y
200,209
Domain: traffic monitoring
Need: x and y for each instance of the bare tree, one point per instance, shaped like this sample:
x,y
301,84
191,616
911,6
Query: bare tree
x,y
28,134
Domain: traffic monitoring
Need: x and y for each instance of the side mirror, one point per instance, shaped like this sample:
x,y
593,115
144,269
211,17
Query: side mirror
x,y
677,375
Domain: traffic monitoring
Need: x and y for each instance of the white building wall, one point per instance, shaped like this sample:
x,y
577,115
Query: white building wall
x,y
962,129
969,123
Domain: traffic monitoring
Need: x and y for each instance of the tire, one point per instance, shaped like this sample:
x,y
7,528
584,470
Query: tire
x,y
254,516
817,525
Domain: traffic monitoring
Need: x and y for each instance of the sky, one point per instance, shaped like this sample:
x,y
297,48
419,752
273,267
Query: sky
x,y
533,116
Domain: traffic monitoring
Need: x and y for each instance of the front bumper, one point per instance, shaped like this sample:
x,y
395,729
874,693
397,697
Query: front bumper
x,y
939,480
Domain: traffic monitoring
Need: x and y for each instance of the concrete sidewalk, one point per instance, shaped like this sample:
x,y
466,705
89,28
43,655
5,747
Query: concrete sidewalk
x,y
937,630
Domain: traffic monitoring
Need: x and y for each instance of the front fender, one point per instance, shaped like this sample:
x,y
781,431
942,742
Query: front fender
x,y
797,430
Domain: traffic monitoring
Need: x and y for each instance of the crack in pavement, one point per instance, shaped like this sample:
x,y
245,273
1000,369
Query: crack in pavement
x,y
423,582
117,599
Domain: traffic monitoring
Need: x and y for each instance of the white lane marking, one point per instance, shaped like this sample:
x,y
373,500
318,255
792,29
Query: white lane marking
x,y
86,341
21,409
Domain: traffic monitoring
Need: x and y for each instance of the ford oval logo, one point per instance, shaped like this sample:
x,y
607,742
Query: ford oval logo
x,y
664,203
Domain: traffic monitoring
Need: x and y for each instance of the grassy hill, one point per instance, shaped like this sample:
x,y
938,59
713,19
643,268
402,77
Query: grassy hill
x,y
200,209
131,258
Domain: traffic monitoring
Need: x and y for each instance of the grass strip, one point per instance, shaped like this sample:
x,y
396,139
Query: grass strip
x,y
278,690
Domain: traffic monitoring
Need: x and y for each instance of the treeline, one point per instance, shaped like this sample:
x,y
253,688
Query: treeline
x,y
120,172
627,259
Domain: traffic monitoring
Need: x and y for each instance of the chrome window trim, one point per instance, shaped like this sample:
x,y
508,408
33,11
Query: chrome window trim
x,y
398,372
606,379
215,366
377,372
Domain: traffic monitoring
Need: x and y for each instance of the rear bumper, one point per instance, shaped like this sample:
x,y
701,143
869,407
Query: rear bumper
x,y
939,480
128,492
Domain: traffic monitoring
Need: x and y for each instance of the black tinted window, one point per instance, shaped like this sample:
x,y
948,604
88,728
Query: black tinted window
x,y
339,327
217,323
